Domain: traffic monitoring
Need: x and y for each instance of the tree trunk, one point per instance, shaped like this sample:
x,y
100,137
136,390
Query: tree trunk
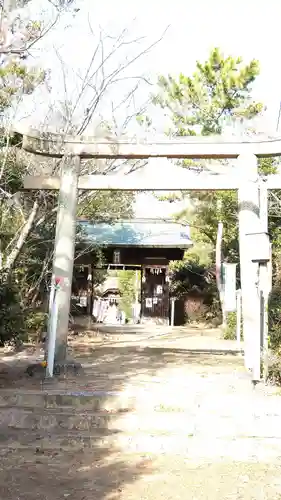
x,y
10,260
33,291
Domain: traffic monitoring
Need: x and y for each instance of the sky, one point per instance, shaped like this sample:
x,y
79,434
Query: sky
x,y
247,28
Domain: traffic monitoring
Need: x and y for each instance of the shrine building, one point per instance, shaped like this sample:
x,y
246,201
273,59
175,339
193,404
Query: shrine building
x,y
147,245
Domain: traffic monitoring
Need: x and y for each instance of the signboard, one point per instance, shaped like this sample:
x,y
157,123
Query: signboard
x,y
229,287
116,257
260,246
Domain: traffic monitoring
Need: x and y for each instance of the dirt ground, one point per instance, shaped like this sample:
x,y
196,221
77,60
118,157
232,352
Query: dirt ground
x,y
228,448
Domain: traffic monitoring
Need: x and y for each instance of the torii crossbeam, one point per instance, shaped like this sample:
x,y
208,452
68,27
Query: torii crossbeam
x,y
247,182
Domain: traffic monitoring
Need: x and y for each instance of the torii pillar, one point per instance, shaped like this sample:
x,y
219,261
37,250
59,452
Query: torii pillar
x,y
64,248
64,252
249,222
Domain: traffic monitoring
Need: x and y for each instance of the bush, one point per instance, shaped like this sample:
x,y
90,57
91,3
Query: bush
x,y
274,317
12,324
36,323
196,285
195,310
274,369
274,336
230,330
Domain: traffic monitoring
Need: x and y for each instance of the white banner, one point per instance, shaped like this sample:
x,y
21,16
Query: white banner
x,y
229,281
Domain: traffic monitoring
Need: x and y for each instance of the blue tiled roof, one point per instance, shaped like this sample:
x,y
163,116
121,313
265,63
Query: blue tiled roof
x,y
137,233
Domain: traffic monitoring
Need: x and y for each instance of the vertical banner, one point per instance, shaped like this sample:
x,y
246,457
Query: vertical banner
x,y
219,259
229,285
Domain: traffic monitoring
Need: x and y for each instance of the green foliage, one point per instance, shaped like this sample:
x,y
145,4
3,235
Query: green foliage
x,y
26,80
216,95
222,206
12,325
31,270
274,373
188,276
217,92
16,80
127,287
107,206
215,207
36,323
274,369
230,330
190,279
16,77
274,317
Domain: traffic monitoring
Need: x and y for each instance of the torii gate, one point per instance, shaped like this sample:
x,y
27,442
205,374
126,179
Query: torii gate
x,y
252,204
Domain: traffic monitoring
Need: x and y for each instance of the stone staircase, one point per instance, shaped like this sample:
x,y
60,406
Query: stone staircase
x,y
62,420
65,420
158,414
131,400
134,417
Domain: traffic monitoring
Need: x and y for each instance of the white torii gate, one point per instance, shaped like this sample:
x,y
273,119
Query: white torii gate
x,y
252,190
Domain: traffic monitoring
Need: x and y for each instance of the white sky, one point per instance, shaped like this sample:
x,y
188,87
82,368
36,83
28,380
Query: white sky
x,y
247,28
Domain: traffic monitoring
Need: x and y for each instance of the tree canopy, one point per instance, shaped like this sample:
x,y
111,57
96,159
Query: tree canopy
x,y
219,91
217,97
28,219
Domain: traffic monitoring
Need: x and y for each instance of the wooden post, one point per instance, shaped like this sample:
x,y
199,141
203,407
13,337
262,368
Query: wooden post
x,y
64,250
249,222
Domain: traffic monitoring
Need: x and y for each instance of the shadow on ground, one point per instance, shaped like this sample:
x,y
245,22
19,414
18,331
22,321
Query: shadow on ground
x,y
101,472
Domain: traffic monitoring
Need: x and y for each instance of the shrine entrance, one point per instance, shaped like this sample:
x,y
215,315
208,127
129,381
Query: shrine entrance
x,y
254,247
155,306
144,246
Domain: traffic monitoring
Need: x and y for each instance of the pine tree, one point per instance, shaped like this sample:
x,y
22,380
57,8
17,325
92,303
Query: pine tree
x,y
218,92
216,95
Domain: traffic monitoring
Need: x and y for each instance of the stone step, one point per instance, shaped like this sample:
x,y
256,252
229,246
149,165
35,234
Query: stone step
x,y
133,398
95,400
169,444
133,423
93,421
186,423
158,399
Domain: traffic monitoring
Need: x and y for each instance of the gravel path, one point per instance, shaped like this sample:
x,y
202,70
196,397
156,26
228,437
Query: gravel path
x,y
203,433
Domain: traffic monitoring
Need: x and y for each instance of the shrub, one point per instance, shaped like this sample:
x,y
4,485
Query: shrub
x,y
195,309
230,330
12,324
274,336
36,323
189,280
274,317
274,369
